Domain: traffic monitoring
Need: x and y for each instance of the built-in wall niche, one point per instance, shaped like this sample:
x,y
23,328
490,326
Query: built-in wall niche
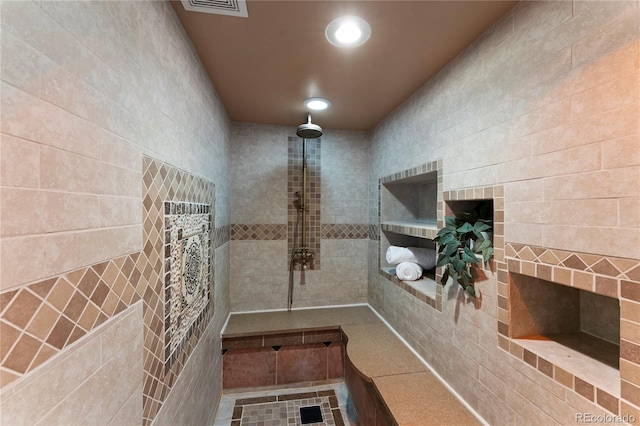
x,y
427,284
410,202
576,330
480,208
410,213
483,208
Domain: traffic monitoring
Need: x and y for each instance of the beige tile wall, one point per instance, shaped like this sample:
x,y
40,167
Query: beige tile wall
x,y
545,104
87,89
345,165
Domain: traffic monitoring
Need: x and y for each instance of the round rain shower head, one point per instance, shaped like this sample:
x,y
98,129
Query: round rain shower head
x,y
309,130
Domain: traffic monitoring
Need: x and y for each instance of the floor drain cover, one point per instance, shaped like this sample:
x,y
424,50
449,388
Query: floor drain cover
x,y
311,414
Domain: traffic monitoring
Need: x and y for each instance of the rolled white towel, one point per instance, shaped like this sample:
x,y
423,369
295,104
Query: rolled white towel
x,y
397,254
408,271
422,256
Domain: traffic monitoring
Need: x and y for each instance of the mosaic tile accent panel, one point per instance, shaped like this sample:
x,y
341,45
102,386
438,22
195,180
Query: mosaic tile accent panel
x,y
345,231
285,409
162,183
187,257
41,319
314,185
269,232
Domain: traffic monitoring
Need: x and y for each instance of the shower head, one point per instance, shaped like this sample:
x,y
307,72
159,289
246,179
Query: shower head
x,y
309,130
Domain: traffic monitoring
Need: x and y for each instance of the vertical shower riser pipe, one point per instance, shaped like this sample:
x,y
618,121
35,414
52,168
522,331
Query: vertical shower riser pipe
x,y
303,204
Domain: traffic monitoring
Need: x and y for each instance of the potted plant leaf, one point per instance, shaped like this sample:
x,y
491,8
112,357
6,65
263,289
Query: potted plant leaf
x,y
463,236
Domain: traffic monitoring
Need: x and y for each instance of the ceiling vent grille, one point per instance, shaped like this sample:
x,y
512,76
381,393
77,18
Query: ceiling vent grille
x,y
219,7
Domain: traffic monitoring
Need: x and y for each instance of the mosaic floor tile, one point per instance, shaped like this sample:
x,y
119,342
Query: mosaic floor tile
x,y
287,407
286,412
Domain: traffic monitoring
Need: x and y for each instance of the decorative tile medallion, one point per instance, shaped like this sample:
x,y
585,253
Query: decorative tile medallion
x,y
187,260
189,196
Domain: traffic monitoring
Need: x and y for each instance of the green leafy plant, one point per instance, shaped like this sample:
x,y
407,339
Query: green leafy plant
x,y
455,254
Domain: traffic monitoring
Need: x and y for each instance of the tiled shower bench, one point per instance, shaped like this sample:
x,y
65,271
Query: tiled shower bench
x,y
387,383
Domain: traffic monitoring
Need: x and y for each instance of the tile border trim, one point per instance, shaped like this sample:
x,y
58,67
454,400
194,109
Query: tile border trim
x,y
598,274
278,232
47,316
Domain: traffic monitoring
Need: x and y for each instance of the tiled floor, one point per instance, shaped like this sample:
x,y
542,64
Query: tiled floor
x,y
282,406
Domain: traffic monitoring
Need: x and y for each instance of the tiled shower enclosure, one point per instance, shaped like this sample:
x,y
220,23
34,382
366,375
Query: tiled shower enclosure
x,y
262,204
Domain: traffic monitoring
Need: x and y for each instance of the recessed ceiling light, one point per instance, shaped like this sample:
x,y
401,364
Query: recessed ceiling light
x,y
348,31
317,104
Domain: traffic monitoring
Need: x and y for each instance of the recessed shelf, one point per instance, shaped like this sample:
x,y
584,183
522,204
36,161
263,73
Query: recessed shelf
x,y
422,229
410,203
575,330
425,285
582,355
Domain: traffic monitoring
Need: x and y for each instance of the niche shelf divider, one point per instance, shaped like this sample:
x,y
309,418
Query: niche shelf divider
x,y
410,212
